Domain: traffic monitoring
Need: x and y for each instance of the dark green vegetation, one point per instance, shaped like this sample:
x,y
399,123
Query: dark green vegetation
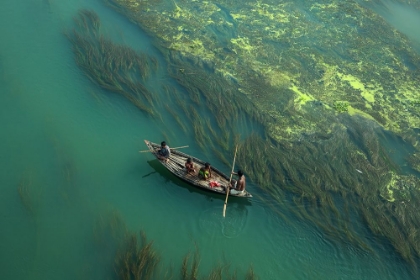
x,y
26,194
282,57
190,266
136,258
269,67
116,68
340,106
332,181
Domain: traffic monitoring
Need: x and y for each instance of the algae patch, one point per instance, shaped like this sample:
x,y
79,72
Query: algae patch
x,y
399,188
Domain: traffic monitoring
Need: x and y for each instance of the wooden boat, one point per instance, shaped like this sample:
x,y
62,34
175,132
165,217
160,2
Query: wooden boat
x,y
176,165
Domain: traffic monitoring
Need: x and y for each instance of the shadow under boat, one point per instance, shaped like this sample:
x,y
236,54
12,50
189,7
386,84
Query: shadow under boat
x,y
161,170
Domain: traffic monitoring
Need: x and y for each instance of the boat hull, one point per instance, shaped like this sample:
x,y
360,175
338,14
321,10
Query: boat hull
x,y
176,165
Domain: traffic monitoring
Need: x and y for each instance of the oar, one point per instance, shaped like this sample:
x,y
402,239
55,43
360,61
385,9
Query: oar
x,y
145,151
230,180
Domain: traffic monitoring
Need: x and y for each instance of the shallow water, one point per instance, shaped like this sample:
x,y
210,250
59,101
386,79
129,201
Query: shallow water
x,y
69,157
403,17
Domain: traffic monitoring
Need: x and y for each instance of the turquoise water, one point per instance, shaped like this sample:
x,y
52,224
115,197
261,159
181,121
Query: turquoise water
x,y
403,17
72,151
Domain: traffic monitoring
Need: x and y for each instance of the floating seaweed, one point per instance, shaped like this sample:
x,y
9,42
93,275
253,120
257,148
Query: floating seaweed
x,y
290,92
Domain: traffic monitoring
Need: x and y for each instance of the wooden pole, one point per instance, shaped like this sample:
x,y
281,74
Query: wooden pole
x,y
145,151
230,180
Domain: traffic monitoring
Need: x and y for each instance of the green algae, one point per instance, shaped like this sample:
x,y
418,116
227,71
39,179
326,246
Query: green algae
x,y
414,161
341,106
294,75
399,188
252,53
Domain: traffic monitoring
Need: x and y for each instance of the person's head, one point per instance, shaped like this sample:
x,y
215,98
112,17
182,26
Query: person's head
x,y
163,144
189,160
207,165
240,173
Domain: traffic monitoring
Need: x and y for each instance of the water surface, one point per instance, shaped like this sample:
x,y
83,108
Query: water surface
x,y
69,157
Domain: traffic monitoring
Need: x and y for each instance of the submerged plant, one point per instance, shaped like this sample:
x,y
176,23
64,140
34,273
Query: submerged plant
x,y
116,68
341,106
415,102
281,72
136,257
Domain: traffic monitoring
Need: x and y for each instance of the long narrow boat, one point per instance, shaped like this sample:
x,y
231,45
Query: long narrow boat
x,y
176,165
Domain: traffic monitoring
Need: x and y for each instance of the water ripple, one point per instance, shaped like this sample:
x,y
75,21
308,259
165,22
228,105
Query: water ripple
x,y
212,222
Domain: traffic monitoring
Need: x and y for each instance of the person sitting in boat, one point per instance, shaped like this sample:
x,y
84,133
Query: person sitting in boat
x,y
189,165
205,172
238,186
164,152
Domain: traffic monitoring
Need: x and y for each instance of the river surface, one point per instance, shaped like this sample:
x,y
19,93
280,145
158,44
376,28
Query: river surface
x,y
69,157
